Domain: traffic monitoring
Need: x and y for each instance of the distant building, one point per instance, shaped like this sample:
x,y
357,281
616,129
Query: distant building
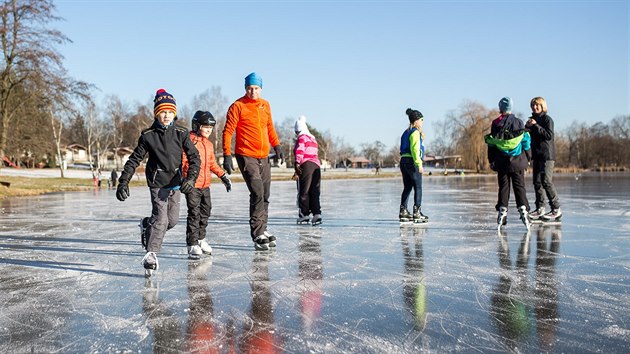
x,y
357,162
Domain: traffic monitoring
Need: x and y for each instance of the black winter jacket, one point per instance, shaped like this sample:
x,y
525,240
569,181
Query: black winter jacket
x,y
543,144
164,146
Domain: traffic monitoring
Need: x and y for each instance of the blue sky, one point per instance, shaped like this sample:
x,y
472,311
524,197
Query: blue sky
x,y
353,67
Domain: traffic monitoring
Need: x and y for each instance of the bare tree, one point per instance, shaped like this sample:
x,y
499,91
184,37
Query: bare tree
x,y
468,127
215,102
28,54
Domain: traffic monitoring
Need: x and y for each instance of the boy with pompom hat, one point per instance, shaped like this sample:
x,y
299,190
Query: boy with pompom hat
x,y
164,143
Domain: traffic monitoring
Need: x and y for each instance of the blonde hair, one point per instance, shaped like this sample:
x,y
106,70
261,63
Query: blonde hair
x,y
540,101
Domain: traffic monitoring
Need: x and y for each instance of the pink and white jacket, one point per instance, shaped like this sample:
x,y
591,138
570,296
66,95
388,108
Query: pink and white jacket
x,y
306,149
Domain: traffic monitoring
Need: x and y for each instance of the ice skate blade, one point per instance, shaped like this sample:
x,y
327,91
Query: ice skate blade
x,y
194,257
413,224
305,222
545,223
317,223
263,247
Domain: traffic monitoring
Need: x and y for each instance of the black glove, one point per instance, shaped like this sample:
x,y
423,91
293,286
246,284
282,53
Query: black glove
x,y
227,164
279,154
122,192
226,182
187,186
298,169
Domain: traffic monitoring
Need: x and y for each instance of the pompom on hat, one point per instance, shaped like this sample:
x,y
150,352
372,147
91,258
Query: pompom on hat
x,y
163,101
414,115
253,79
505,105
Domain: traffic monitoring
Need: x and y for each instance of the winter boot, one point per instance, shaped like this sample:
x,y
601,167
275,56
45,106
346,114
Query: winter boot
x,y
317,219
418,217
537,214
144,224
524,215
150,263
194,252
553,215
502,217
205,247
404,215
261,243
271,238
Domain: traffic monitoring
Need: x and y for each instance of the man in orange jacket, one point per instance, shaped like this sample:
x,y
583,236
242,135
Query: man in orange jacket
x,y
250,118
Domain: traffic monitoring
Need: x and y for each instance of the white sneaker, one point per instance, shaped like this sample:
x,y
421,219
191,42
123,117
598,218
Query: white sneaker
x,y
194,252
205,247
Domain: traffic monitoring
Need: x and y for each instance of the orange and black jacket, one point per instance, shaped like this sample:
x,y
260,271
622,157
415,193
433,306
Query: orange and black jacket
x,y
208,161
251,120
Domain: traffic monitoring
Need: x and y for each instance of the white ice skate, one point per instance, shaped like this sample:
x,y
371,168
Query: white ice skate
x,y
261,243
194,252
502,217
302,220
150,263
205,247
524,216
317,219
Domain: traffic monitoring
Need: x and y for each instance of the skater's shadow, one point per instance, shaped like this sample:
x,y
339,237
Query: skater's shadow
x,y
520,309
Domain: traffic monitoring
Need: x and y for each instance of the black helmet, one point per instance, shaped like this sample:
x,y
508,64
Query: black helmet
x,y
202,118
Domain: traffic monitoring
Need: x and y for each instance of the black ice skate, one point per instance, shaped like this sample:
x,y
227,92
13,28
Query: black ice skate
x,y
418,217
317,219
271,238
150,263
537,214
144,224
261,243
404,215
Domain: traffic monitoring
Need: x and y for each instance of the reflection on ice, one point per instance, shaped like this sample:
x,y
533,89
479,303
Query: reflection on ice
x,y
71,279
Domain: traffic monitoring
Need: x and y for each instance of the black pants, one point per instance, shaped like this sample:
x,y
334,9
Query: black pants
x,y
518,183
199,208
543,184
257,176
412,179
308,189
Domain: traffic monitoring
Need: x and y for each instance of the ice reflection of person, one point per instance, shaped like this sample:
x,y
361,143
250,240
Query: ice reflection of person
x,y
547,315
159,318
200,336
259,332
310,273
509,310
414,289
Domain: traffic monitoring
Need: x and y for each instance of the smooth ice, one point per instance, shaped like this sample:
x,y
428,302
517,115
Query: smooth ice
x,y
71,279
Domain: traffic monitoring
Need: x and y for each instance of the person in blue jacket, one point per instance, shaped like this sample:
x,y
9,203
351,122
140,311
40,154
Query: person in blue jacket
x,y
411,157
509,153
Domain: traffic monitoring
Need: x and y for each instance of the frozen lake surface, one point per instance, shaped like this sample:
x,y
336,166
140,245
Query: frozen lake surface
x,y
71,279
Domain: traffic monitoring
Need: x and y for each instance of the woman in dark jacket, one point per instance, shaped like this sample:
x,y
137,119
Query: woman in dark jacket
x,y
540,126
509,153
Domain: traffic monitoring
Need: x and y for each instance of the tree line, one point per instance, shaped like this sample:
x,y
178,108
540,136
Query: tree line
x,y
43,109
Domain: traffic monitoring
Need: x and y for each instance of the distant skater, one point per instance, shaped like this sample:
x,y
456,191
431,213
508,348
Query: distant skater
x,y
113,178
198,201
508,153
308,172
164,143
411,157
250,118
540,126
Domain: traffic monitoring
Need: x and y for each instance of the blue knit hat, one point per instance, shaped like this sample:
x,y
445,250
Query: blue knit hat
x,y
505,105
253,79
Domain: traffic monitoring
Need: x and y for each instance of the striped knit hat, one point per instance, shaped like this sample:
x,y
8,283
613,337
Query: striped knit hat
x,y
163,101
